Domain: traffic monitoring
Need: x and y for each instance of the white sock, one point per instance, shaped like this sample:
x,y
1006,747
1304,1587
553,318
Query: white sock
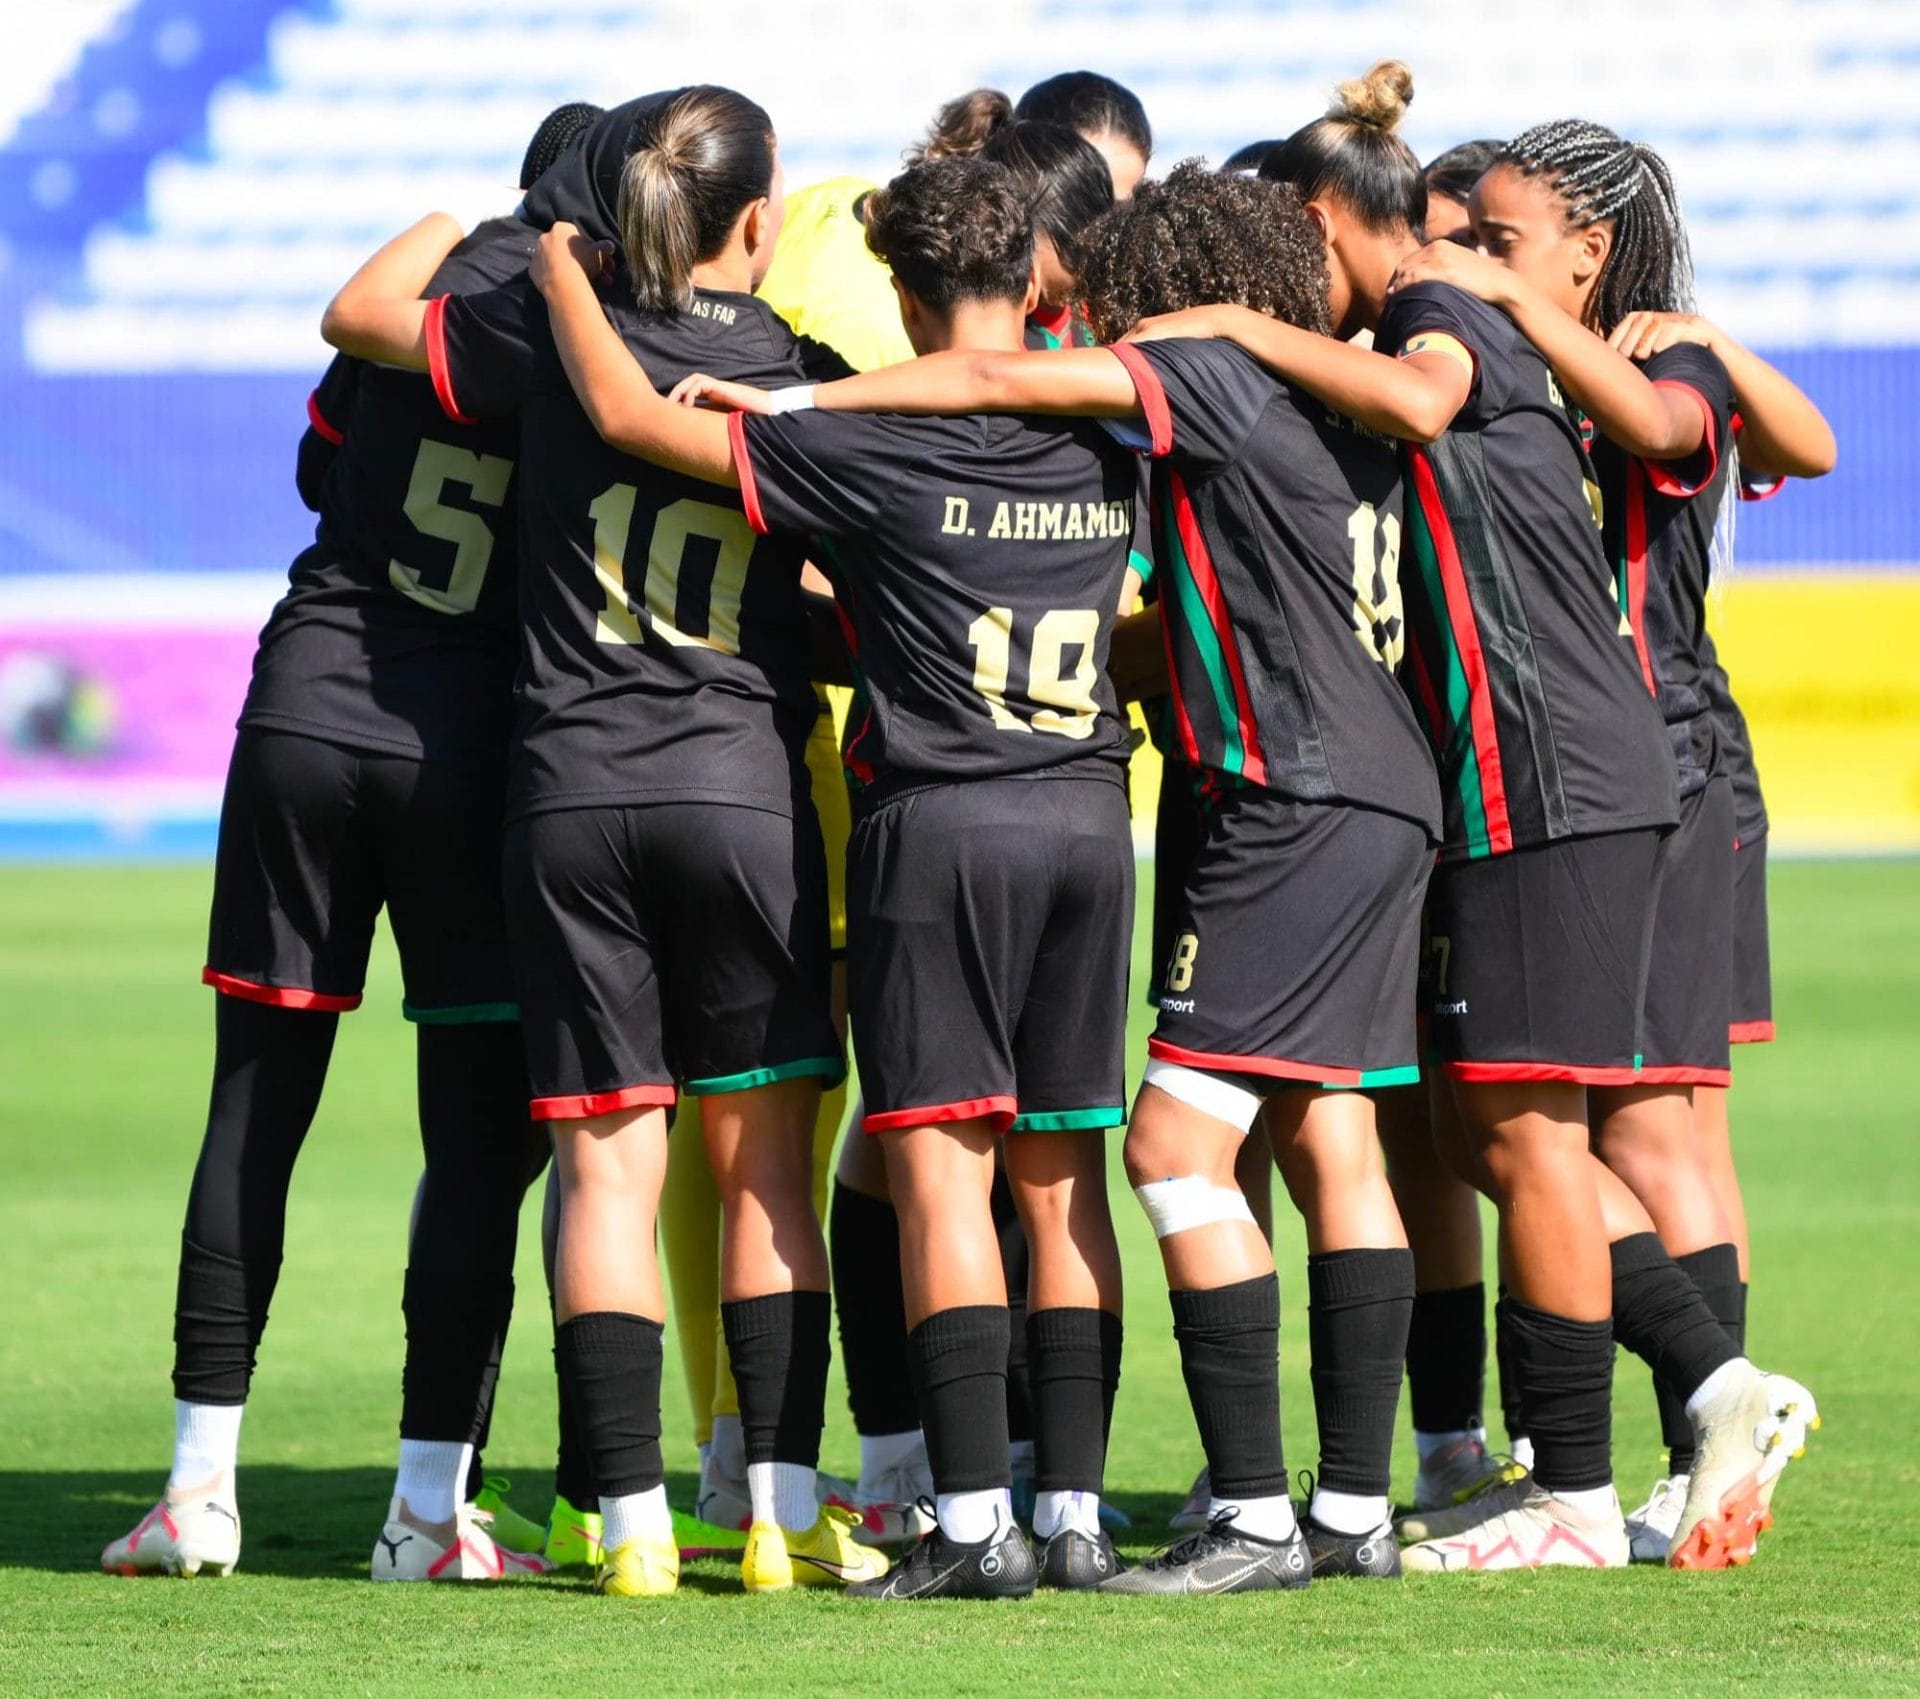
x,y
883,1454
1523,1452
1597,1502
1714,1385
972,1517
1428,1444
432,1477
206,1442
635,1516
1352,1514
1263,1518
727,1449
783,1493
1053,1511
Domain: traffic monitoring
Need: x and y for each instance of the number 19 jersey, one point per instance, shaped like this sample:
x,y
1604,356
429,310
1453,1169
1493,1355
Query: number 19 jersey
x,y
665,644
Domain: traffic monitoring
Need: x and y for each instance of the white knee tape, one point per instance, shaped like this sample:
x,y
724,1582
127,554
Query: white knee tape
x,y
1212,1094
1190,1200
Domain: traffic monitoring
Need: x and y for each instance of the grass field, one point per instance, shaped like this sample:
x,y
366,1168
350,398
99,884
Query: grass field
x,y
104,1041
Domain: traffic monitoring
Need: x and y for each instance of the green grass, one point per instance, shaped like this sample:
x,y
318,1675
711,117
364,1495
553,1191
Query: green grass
x,y
103,1058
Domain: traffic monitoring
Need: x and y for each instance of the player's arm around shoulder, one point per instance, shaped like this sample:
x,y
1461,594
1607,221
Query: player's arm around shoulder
x,y
378,314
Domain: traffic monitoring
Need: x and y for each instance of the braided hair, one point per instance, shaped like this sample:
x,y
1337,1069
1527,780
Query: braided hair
x,y
1599,177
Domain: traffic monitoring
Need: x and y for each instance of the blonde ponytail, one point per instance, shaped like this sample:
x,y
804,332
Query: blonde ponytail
x,y
1378,100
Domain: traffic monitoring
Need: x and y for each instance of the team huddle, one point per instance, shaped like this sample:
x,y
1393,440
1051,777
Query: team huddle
x,y
720,641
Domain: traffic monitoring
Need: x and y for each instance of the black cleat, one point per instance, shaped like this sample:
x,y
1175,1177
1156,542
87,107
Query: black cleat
x,y
1077,1563
1376,1555
1219,1559
939,1568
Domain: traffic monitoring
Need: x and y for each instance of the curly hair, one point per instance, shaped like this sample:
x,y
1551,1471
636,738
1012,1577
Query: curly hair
x,y
954,230
1202,238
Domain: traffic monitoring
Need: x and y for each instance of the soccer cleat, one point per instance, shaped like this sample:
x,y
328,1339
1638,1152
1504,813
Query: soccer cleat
x,y
889,1506
826,1555
1505,1489
1375,1555
638,1569
1539,1532
1191,1517
460,1550
999,1567
507,1526
1742,1442
1650,1528
723,1499
1455,1473
572,1538
1074,1562
185,1534
1219,1559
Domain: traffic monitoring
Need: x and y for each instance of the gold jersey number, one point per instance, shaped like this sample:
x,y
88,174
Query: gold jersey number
x,y
674,526
1061,702
1379,618
486,477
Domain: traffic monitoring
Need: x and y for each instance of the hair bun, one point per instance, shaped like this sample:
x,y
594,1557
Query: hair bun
x,y
1378,100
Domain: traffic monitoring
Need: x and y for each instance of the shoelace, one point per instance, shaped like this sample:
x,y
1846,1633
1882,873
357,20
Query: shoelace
x,y
1189,1546
1505,1471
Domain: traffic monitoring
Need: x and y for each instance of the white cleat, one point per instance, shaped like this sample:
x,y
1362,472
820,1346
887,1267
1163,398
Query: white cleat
x,y
1650,1528
1539,1532
890,1504
187,1534
1743,1442
461,1550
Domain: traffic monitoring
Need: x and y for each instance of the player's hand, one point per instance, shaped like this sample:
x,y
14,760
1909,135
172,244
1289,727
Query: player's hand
x,y
1464,268
1200,323
566,249
1641,335
699,390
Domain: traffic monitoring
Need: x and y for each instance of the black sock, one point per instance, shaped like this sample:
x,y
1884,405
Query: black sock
x,y
1359,1303
1014,1258
219,1315
1660,1316
959,1361
611,1364
1510,1417
1563,1374
1715,1273
864,1239
476,1475
1075,1358
1737,1327
456,1328
1229,1339
572,1468
1447,1359
778,1348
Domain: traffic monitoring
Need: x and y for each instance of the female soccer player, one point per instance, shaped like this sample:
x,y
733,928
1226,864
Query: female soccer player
x,y
367,772
978,565
1107,113
665,886
1450,179
1558,785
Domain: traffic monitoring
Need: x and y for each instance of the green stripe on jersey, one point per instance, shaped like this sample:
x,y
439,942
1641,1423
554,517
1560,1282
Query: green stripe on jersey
x,y
1069,1120
1377,1079
831,1069
1206,644
1473,807
464,1014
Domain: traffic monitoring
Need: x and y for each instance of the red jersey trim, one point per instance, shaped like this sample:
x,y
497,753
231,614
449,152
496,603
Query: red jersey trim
x,y
437,360
278,996
1750,1032
1057,323
1763,491
1495,1073
1636,567
318,421
1660,472
1686,1076
999,1109
1193,543
1152,393
1270,1067
1466,638
743,464
584,1108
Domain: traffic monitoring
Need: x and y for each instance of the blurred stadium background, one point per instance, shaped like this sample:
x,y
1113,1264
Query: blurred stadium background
x,y
184,182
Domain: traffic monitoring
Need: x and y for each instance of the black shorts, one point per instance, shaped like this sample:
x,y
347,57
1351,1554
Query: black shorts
x,y
1752,959
1683,1039
1179,826
316,838
680,943
988,941
1298,945
1540,960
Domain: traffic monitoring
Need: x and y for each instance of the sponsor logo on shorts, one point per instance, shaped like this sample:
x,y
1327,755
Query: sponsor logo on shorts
x,y
1457,1007
1176,1005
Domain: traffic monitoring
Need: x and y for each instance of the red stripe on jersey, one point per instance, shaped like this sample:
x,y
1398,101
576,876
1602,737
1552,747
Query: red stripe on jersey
x,y
318,421
1493,1073
1270,1067
1661,472
1253,763
1182,723
998,1109
1686,1076
1750,1032
1153,395
584,1108
1466,638
1056,323
278,996
743,464
437,359
1636,567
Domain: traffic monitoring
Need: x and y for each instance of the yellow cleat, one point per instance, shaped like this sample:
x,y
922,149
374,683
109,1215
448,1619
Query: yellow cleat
x,y
639,1569
826,1555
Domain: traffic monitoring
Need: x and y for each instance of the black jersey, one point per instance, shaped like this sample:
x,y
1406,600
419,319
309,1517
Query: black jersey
x,y
1277,528
665,645
1657,519
1520,659
978,564
1736,746
329,410
397,631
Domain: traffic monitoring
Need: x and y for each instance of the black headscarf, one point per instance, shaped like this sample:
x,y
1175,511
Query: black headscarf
x,y
582,186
